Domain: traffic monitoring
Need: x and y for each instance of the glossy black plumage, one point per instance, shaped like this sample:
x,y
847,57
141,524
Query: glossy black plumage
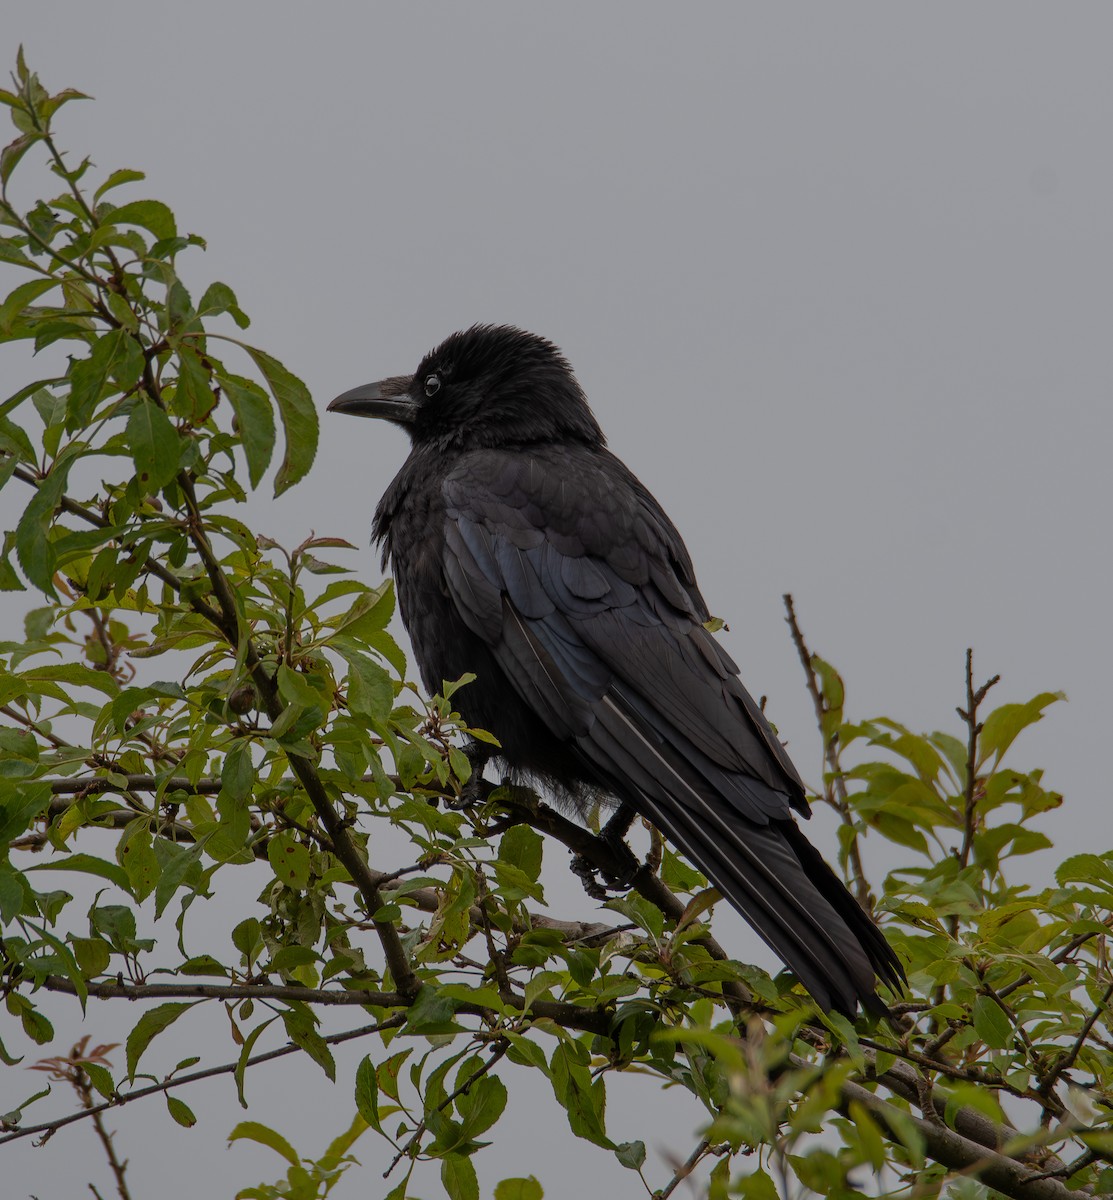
x,y
525,552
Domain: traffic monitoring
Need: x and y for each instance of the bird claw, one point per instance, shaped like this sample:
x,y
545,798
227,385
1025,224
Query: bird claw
x,y
601,884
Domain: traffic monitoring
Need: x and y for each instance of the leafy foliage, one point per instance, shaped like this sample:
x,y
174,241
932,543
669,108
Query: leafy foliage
x,y
200,700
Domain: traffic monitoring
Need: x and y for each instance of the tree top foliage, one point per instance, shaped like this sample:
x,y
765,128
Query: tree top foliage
x,y
188,700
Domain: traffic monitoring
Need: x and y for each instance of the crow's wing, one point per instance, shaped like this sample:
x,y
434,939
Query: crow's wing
x,y
566,567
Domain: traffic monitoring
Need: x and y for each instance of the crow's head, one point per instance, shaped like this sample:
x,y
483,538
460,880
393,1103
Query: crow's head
x,y
491,385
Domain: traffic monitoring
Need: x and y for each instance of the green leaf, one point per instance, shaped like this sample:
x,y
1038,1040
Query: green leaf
x,y
137,857
869,1136
180,1111
1005,723
93,955
991,1023
367,1093
245,1056
254,423
152,215
481,1106
1085,868
756,1186
193,395
154,444
101,1078
370,689
14,439
116,179
459,1178
631,1154
13,152
11,894
219,298
74,673
32,543
300,1021
19,298
255,1131
583,1099
88,864
430,1013
148,1027
519,1189
20,804
299,418
369,613
521,846
290,860
115,356
237,773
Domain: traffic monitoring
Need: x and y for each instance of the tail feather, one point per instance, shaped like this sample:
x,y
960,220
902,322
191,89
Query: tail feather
x,y
759,873
769,872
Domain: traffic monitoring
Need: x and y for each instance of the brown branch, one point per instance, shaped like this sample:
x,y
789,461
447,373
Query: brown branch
x,y
837,794
87,785
119,1168
958,1153
974,697
571,1016
226,991
49,1128
28,723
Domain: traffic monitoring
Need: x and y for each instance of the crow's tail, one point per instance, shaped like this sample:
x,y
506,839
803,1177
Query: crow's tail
x,y
778,881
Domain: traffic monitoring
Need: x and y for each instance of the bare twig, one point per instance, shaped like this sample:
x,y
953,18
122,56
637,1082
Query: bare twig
x,y
837,795
118,1167
972,792
686,1168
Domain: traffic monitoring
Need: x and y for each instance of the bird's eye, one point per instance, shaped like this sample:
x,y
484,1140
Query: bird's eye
x,y
432,384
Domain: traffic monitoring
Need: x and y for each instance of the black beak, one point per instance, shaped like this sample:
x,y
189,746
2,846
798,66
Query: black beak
x,y
389,399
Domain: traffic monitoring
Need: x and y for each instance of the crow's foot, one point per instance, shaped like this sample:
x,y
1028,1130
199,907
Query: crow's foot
x,y
599,883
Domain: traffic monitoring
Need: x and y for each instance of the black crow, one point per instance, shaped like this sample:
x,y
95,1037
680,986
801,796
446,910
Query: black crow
x,y
527,553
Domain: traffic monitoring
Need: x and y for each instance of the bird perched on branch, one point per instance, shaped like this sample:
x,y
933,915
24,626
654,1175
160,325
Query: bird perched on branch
x,y
527,553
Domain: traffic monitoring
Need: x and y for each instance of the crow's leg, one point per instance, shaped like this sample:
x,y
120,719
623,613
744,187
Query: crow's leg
x,y
475,791
599,884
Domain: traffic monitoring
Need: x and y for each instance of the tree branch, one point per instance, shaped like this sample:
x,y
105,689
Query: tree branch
x,y
950,1149
570,1016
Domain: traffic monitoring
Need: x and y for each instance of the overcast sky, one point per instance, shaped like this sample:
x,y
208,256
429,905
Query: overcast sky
x,y
836,278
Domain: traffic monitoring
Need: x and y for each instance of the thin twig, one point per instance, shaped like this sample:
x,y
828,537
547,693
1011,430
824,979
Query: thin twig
x,y
476,1075
971,792
118,1167
685,1169
1064,1063
51,1127
839,799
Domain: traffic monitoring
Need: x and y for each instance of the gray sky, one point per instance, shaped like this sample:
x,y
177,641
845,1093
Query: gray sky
x,y
836,279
